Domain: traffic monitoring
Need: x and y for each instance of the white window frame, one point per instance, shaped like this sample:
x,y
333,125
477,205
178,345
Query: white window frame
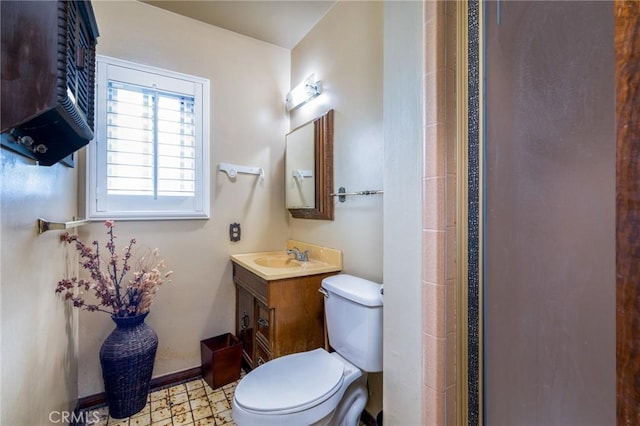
x,y
141,207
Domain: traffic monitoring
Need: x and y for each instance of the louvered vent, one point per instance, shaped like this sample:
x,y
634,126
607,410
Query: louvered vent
x,y
79,56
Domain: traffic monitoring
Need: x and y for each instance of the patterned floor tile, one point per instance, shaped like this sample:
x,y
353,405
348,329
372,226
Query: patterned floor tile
x,y
195,384
175,390
183,419
140,420
178,399
159,404
154,396
219,406
201,413
223,418
207,421
197,393
161,414
193,403
181,408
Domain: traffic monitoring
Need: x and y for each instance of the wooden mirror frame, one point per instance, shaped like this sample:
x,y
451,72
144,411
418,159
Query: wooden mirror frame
x,y
323,142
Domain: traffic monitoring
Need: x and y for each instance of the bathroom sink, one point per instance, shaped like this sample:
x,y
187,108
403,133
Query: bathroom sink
x,y
277,262
277,265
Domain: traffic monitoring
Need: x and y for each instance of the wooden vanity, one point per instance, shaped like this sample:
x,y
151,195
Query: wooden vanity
x,y
279,311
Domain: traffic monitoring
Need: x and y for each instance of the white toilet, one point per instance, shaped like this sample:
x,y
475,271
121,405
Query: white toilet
x,y
318,387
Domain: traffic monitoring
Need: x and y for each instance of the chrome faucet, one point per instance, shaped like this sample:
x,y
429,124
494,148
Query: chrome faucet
x,y
302,256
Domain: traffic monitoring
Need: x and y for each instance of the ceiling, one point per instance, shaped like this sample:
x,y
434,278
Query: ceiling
x,y
280,22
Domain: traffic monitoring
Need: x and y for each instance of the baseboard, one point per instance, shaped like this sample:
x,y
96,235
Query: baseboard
x,y
156,383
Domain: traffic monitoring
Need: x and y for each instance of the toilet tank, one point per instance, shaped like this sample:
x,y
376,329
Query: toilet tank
x,y
353,308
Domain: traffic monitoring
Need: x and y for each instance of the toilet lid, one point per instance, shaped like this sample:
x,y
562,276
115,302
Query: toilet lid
x,y
291,383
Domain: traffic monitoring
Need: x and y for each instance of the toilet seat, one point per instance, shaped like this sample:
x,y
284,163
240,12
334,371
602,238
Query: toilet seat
x,y
290,384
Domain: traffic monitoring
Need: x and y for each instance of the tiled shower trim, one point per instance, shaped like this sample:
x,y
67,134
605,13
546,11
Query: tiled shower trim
x,y
474,214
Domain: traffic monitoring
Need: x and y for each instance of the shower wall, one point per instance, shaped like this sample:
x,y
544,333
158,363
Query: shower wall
x,y
549,214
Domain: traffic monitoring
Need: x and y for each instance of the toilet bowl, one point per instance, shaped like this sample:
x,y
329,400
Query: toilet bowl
x,y
306,388
317,387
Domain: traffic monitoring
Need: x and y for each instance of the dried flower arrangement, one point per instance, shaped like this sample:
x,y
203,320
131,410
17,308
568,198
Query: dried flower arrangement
x,y
120,291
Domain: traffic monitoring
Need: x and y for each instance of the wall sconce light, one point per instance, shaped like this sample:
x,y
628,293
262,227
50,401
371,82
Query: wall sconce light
x,y
304,92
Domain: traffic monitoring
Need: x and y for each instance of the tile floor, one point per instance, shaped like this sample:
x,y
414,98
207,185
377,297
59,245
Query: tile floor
x,y
193,403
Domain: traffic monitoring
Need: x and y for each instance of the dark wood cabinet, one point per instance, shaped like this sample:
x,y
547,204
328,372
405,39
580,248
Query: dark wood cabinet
x,y
48,77
279,317
244,319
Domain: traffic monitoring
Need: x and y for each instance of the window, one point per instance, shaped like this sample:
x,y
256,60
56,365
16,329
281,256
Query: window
x,y
150,155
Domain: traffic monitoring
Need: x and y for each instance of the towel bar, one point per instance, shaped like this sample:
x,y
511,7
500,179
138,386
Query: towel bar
x,y
45,225
342,193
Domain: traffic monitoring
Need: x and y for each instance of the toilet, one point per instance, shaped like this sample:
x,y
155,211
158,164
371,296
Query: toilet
x,y
318,387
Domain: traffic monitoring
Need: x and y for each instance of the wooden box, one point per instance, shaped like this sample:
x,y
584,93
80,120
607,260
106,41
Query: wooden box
x,y
221,359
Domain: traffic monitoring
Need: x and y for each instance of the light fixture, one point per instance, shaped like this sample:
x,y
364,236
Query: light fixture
x,y
304,92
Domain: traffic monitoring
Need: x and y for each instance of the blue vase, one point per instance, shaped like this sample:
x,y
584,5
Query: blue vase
x,y
127,356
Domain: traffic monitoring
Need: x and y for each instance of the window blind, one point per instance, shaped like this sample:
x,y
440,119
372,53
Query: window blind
x,y
151,142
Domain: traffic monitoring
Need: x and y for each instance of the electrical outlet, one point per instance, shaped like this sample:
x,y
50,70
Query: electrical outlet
x,y
234,232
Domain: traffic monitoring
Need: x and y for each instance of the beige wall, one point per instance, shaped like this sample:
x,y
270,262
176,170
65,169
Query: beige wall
x,y
38,346
248,122
344,50
403,219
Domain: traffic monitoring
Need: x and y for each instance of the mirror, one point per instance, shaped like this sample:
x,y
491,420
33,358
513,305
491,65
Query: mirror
x,y
309,169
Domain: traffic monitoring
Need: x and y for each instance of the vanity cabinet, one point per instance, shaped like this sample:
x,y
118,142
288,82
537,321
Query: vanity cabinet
x,y
278,317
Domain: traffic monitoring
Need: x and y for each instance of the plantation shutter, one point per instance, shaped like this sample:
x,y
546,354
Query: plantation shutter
x,y
150,157
150,142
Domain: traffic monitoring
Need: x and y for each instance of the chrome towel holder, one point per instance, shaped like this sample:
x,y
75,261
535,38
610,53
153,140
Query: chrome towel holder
x,y
45,225
342,193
